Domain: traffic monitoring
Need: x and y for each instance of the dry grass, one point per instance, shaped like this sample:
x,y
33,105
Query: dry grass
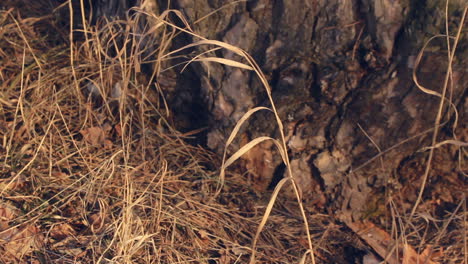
x,y
417,230
93,170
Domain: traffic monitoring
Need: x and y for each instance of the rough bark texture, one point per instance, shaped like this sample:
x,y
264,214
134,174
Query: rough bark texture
x,y
341,76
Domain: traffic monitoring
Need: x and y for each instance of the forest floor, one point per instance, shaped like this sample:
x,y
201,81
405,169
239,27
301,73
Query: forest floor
x,y
93,169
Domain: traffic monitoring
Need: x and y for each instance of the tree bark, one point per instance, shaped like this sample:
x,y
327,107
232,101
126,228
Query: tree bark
x,y
341,77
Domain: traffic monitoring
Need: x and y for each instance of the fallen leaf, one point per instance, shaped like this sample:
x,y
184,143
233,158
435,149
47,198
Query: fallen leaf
x,y
94,135
118,130
61,231
259,163
23,241
410,256
96,221
382,242
108,144
7,214
8,185
377,238
428,251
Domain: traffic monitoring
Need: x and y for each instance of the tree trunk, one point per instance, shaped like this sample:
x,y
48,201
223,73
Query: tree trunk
x,y
341,77
341,74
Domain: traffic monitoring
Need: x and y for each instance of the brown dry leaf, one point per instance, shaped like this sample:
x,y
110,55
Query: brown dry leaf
x,y
381,242
61,231
107,127
61,176
94,135
258,161
433,254
71,245
410,256
8,185
108,144
24,241
375,237
96,221
7,214
118,130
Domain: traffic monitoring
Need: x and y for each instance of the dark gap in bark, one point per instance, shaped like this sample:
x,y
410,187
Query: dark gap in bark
x,y
316,175
277,176
315,90
278,9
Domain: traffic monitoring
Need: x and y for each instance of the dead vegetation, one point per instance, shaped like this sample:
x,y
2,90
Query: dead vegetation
x,y
93,169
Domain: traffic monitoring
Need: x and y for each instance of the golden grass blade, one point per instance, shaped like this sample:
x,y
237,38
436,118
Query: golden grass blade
x,y
229,47
182,18
244,150
304,257
35,155
281,146
416,67
169,54
26,41
198,56
231,138
136,159
440,108
227,62
426,90
241,121
154,28
266,215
